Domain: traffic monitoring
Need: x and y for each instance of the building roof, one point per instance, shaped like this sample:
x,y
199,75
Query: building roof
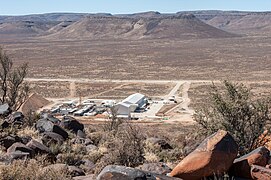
x,y
134,98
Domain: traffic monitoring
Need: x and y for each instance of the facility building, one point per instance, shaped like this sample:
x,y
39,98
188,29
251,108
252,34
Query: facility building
x,y
132,103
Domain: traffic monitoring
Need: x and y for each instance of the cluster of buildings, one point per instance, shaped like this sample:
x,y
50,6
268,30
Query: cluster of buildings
x,y
134,103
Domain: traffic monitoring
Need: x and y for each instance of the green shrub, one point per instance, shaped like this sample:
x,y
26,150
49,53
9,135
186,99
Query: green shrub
x,y
234,110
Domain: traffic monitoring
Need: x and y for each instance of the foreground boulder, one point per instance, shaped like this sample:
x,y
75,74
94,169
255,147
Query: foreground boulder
x,y
113,172
241,166
261,173
213,156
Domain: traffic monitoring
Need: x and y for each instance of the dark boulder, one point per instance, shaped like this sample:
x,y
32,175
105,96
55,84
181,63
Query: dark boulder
x,y
50,118
4,124
158,168
9,140
214,155
18,155
38,147
20,147
241,166
16,118
159,142
49,138
57,129
72,124
44,125
26,139
113,172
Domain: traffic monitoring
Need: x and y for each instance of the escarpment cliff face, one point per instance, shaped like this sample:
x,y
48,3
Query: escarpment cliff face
x,y
149,25
181,26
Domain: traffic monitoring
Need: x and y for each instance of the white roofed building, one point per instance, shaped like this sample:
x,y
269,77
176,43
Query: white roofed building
x,y
130,104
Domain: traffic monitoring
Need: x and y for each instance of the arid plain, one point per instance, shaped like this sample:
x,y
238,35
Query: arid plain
x,y
114,59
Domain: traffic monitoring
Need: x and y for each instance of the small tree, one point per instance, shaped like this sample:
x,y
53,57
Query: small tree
x,y
13,89
233,110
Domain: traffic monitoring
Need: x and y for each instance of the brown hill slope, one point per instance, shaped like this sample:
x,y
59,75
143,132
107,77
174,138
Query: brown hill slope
x,y
239,22
247,24
181,26
24,28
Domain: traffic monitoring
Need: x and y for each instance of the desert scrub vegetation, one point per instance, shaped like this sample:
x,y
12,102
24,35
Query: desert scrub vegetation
x,y
31,170
233,109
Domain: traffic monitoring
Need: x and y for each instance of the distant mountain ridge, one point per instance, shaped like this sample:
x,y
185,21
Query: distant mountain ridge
x,y
137,27
239,22
183,25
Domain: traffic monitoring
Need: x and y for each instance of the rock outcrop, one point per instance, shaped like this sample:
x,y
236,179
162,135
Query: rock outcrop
x,y
241,166
113,172
213,156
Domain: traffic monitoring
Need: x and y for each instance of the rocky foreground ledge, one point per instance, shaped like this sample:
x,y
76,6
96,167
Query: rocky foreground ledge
x,y
216,156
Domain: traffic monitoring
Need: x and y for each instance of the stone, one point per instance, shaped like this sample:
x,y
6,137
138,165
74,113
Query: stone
x,y
87,165
261,173
44,125
49,138
16,118
81,134
160,142
75,171
4,109
72,124
214,155
20,147
9,140
241,166
38,147
18,155
113,172
26,139
158,168
4,124
54,120
57,129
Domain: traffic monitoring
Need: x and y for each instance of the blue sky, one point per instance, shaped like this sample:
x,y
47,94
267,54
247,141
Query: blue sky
x,y
18,7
